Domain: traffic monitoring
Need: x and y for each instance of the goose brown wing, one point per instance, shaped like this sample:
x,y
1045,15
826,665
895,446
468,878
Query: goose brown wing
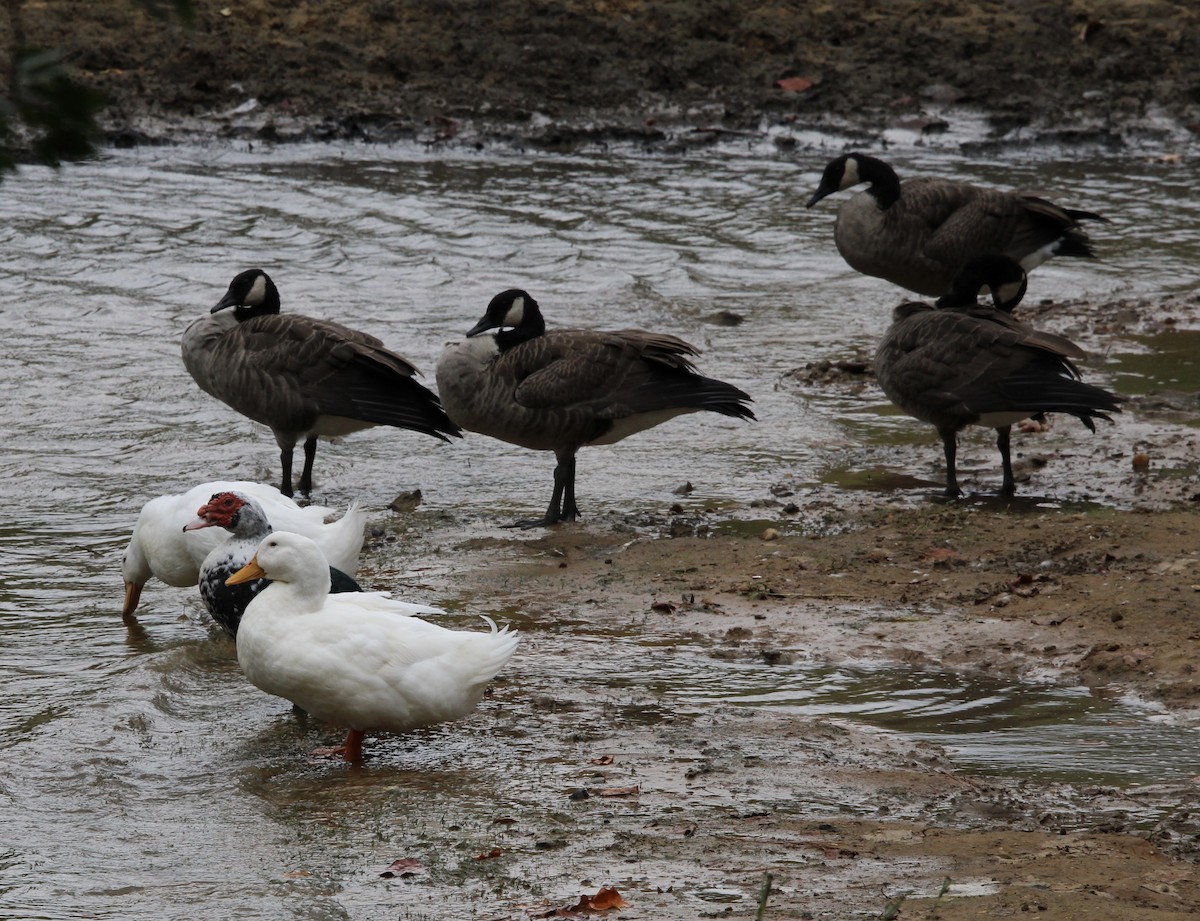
x,y
285,370
969,363
1005,223
949,361
985,221
616,374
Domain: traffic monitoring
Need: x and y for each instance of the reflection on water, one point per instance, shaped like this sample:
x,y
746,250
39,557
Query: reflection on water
x,y
1073,735
142,767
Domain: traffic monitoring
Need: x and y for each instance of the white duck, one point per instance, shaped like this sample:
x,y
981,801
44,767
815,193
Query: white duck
x,y
160,548
348,659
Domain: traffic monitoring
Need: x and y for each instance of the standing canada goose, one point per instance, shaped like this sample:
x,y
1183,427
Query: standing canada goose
x,y
964,363
302,377
349,659
920,233
560,390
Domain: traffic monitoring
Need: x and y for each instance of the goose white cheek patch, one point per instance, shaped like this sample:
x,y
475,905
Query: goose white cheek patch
x,y
257,291
850,174
516,313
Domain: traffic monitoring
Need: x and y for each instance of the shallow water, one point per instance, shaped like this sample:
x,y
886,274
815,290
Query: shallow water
x,y
140,769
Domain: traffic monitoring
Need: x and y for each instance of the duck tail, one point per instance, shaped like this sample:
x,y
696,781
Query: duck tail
x,y
496,647
343,539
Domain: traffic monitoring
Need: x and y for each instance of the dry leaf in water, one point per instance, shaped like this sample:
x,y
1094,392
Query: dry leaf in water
x,y
405,866
604,900
608,897
794,84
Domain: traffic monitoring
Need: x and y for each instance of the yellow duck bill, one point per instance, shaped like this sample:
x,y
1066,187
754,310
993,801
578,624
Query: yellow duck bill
x,y
250,571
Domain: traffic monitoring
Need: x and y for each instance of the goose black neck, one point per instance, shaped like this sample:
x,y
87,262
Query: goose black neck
x,y
270,305
884,183
531,326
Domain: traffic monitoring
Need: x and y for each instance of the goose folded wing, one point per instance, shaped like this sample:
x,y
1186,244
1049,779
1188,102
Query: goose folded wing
x,y
987,222
376,385
319,367
1048,384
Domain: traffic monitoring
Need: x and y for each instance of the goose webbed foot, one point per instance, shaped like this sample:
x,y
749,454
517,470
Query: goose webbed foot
x,y
554,515
526,524
562,501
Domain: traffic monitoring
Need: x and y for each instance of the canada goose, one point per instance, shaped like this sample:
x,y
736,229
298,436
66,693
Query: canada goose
x,y
160,548
302,377
349,659
920,233
247,525
964,363
560,390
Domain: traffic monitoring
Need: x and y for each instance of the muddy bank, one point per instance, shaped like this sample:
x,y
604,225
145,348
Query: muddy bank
x,y
560,74
684,808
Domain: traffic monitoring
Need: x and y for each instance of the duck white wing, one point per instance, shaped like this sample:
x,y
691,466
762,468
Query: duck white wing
x,y
357,666
386,604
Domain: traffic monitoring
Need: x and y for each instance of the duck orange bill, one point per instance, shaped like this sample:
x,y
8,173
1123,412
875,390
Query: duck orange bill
x,y
133,593
250,571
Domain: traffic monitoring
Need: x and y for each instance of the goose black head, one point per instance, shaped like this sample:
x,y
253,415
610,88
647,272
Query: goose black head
x,y
1002,276
851,169
251,293
515,314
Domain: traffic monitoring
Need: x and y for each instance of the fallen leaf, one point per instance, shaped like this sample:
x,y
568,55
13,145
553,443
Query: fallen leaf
x,y
942,557
794,84
608,897
405,866
603,759
494,852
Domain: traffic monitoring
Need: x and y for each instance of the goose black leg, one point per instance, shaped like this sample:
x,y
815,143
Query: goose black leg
x,y
570,511
950,447
558,510
1009,486
285,460
310,455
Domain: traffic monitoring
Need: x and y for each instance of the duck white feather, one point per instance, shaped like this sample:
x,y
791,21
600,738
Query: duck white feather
x,y
347,658
159,547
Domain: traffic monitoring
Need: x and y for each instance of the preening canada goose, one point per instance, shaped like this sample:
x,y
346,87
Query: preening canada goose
x,y
964,363
563,389
355,659
302,377
922,232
